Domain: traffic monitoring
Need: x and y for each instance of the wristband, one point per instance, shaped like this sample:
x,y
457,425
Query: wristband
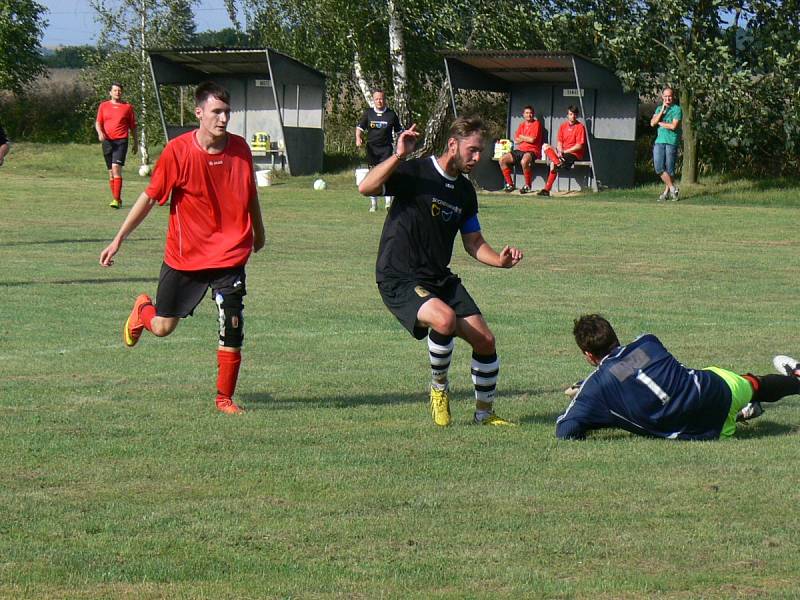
x,y
398,157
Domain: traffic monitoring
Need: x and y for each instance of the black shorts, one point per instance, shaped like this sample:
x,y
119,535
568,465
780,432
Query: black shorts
x,y
179,292
567,161
404,299
114,151
377,154
518,154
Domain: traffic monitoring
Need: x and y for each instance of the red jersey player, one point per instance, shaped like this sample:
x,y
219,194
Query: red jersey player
x,y
570,146
214,224
528,140
115,119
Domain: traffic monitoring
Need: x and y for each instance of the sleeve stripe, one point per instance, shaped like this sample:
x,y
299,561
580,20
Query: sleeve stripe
x,y
471,225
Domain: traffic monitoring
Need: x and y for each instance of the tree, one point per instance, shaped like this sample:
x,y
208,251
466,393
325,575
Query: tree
x,y
651,44
70,57
21,28
220,38
129,28
387,43
760,120
733,64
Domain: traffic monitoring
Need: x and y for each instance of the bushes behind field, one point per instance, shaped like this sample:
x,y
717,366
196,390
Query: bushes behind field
x,y
54,109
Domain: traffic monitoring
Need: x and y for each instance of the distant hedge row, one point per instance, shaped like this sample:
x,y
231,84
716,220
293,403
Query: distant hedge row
x,y
59,109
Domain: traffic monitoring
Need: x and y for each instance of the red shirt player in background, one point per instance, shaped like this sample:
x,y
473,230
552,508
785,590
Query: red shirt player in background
x,y
214,224
571,146
115,119
528,142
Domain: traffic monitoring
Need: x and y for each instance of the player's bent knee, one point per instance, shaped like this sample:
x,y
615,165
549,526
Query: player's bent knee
x,y
484,343
444,324
231,319
443,321
163,326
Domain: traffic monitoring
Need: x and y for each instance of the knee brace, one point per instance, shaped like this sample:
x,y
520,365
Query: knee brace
x,y
231,319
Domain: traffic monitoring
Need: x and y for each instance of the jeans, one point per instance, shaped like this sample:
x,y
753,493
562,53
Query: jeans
x,y
664,156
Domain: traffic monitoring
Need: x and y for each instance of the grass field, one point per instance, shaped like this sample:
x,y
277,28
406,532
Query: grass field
x,y
118,479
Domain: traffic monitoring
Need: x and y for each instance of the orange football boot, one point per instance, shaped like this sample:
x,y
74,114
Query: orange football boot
x,y
133,325
228,406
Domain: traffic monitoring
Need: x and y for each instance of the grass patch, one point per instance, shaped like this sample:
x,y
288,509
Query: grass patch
x,y
118,478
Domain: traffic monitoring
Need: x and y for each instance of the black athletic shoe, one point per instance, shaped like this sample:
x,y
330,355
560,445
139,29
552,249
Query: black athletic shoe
x,y
524,190
542,192
508,188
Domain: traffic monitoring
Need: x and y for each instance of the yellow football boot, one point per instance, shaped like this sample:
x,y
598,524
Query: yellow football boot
x,y
440,406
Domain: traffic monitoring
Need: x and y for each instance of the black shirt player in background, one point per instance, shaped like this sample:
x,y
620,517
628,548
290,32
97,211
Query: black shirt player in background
x,y
380,124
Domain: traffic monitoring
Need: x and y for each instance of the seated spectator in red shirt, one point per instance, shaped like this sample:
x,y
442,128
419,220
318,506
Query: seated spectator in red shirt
x,y
528,147
570,147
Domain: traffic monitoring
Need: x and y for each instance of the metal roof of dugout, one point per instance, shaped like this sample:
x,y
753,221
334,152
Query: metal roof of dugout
x,y
271,93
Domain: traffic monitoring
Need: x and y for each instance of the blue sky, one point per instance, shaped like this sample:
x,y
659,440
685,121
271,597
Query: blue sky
x,y
71,22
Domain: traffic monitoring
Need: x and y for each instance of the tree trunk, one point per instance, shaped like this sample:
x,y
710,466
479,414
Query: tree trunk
x,y
358,72
435,125
689,170
397,57
143,154
434,129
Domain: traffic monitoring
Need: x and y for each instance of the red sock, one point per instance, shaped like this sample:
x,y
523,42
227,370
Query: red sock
x,y
551,179
507,175
228,364
146,314
551,154
116,188
753,381
528,177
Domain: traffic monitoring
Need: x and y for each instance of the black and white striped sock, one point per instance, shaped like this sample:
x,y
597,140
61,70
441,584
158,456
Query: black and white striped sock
x,y
484,375
440,352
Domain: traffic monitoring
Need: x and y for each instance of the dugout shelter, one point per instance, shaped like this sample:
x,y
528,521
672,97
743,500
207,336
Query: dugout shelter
x,y
551,81
271,93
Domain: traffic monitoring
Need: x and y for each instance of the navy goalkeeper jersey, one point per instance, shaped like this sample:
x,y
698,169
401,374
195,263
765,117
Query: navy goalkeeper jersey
x,y
643,389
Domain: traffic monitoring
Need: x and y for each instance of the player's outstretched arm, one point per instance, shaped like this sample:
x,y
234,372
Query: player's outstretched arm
x,y
377,176
137,214
480,250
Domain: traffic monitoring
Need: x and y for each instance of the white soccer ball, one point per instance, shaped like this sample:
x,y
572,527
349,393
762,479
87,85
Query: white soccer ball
x,y
320,184
144,170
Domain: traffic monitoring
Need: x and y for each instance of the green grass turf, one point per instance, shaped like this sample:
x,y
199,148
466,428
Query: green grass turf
x,y
118,478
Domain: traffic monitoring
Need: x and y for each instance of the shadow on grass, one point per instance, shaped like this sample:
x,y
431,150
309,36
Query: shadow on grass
x,y
542,418
79,281
761,183
762,428
73,241
258,400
